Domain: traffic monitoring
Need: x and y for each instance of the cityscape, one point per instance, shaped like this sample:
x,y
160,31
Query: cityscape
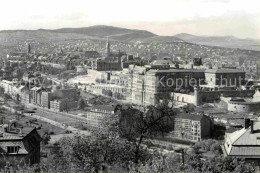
x,y
106,98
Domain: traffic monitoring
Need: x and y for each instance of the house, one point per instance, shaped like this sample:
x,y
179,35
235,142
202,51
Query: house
x,y
244,143
19,145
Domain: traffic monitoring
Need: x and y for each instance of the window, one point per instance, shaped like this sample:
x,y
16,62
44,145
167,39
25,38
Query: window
x,y
12,149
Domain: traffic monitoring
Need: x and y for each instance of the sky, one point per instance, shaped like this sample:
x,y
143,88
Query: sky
x,y
240,18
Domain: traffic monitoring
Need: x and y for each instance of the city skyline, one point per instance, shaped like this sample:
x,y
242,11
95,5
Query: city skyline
x,y
203,17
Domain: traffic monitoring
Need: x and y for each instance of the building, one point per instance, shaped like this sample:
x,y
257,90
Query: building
x,y
97,114
26,97
36,95
46,97
19,145
63,104
217,79
113,61
243,106
244,143
151,86
192,127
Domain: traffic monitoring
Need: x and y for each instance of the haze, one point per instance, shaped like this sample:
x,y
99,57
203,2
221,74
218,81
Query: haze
x,y
165,17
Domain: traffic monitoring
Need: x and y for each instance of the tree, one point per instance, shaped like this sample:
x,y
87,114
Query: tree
x,y
88,154
46,138
81,103
136,126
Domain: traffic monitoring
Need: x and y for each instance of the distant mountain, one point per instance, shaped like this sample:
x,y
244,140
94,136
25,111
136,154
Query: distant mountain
x,y
102,31
222,41
160,39
38,34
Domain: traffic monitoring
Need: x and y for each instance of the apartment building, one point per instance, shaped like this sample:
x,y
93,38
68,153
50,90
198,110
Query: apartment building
x,y
192,127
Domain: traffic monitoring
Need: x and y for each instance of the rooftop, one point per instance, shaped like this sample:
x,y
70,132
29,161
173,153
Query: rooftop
x,y
224,70
104,107
196,117
14,134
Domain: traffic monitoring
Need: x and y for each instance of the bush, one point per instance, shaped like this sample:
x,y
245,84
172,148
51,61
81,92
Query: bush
x,y
215,148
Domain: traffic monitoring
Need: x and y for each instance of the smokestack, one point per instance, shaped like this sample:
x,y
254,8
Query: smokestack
x,y
246,123
252,126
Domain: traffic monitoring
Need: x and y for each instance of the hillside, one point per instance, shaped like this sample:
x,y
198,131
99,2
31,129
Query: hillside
x,y
222,41
101,31
160,39
40,35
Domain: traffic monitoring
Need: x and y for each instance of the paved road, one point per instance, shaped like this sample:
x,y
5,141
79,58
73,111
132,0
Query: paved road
x,y
58,124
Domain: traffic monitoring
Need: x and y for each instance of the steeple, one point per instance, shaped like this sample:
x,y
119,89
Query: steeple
x,y
28,48
108,47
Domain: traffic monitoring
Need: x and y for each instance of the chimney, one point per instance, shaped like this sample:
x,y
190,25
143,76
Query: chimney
x,y
21,132
252,126
246,123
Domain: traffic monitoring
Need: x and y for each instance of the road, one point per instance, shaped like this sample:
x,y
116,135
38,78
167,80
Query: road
x,y
58,124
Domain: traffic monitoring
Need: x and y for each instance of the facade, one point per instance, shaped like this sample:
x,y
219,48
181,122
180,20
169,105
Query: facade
x,y
26,97
112,61
244,143
192,127
243,106
46,97
36,95
152,86
224,78
63,104
19,146
97,113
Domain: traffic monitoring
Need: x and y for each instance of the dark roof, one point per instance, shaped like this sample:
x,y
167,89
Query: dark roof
x,y
104,107
182,70
196,117
224,70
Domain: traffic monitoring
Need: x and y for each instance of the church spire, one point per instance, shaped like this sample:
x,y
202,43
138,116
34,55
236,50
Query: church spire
x,y
108,47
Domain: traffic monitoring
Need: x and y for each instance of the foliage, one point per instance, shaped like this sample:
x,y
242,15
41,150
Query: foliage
x,y
46,138
94,154
136,126
81,104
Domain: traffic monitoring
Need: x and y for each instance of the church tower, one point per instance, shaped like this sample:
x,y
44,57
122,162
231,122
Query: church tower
x,y
197,100
108,48
28,48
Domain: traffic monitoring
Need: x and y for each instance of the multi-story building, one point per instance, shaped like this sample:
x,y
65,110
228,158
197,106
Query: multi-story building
x,y
63,104
151,86
224,78
26,97
193,127
97,114
36,95
46,97
19,146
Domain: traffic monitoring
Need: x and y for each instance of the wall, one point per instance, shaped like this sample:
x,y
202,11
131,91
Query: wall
x,y
243,107
185,98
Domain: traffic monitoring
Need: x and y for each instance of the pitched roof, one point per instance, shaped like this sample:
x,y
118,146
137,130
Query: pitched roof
x,y
24,142
244,143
